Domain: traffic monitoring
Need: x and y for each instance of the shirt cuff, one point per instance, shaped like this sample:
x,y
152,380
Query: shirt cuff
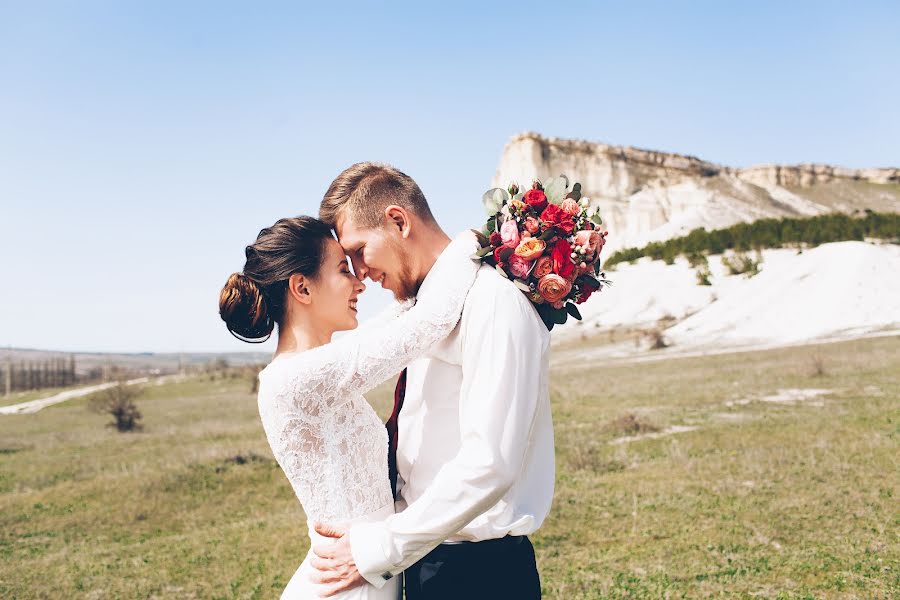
x,y
369,555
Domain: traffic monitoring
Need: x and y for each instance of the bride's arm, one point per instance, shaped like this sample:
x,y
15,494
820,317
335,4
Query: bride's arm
x,y
381,319
361,362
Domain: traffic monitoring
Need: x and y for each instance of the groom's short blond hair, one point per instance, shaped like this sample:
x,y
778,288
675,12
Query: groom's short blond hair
x,y
365,189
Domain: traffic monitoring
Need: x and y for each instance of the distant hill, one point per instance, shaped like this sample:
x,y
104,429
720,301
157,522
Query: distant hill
x,y
646,195
142,362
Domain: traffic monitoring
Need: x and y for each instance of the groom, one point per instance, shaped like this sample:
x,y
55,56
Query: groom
x,y
474,440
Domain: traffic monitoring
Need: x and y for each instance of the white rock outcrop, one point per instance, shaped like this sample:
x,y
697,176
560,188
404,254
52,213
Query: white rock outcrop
x,y
645,195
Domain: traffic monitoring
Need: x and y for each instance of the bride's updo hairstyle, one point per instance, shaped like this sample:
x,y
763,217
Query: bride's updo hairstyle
x,y
253,302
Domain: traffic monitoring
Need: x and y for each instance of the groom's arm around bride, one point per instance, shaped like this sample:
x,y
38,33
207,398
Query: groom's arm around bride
x,y
478,481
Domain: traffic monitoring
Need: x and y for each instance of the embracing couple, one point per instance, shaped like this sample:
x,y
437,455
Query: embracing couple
x,y
446,494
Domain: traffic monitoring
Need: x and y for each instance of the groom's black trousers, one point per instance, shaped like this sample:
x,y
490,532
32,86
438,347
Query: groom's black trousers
x,y
496,569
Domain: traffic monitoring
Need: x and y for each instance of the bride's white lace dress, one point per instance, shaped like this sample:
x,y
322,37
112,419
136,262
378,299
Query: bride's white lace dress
x,y
325,436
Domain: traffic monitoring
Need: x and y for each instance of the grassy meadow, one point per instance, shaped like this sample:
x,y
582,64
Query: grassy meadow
x,y
751,497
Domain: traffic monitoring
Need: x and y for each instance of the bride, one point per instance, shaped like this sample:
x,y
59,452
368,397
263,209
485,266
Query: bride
x,y
328,440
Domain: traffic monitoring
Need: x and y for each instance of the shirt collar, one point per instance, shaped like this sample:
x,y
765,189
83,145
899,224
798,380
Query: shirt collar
x,y
429,280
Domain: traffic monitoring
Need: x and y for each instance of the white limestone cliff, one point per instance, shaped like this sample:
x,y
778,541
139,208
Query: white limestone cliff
x,y
645,195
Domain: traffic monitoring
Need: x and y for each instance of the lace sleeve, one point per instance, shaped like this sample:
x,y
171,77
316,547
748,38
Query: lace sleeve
x,y
360,362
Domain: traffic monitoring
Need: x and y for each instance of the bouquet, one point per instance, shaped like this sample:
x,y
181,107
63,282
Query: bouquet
x,y
547,241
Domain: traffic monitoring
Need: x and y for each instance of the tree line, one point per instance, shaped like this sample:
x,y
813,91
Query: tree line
x,y
769,233
31,375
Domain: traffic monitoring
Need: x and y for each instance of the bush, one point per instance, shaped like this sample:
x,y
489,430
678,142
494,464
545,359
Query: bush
x,y
118,401
741,264
697,259
703,276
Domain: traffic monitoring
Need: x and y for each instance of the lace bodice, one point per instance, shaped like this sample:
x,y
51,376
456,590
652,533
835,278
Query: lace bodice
x,y
328,440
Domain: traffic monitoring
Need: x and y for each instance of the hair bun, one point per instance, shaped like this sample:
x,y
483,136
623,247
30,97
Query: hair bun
x,y
243,308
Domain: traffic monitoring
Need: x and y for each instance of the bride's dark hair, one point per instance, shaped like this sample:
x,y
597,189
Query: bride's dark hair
x,y
252,302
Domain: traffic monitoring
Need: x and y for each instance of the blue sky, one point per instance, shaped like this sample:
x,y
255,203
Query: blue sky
x,y
143,145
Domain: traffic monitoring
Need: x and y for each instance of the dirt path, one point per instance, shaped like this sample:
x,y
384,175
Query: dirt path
x,y
32,406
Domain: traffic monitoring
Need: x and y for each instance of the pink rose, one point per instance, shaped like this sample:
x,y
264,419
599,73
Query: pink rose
x,y
543,266
592,240
571,207
532,225
509,233
519,267
553,287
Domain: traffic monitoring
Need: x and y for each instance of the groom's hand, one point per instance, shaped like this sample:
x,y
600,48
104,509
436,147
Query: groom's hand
x,y
334,562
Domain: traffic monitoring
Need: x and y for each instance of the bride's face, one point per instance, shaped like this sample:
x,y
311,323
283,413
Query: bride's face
x,y
335,290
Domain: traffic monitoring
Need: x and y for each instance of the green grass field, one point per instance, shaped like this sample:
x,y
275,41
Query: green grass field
x,y
761,499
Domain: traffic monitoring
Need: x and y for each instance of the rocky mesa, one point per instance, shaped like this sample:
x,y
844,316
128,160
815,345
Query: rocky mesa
x,y
647,195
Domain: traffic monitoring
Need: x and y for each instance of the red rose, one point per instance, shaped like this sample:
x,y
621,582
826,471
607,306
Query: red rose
x,y
587,288
495,239
501,255
561,255
557,217
536,199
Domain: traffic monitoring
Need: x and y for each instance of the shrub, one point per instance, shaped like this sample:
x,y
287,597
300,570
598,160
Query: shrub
x,y
741,264
118,401
703,276
697,259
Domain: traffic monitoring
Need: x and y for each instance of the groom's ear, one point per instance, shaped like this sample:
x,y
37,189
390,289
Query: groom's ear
x,y
398,219
298,288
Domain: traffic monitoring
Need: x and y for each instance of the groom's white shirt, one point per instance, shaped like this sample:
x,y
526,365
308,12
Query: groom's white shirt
x,y
475,451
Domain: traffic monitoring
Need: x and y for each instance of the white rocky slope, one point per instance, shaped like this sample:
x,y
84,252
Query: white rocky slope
x,y
645,195
838,290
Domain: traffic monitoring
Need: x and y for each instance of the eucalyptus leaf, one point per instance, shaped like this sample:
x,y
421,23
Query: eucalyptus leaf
x,y
491,225
493,200
522,285
501,271
559,316
555,189
596,220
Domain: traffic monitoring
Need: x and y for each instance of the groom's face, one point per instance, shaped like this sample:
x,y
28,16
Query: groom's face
x,y
378,255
